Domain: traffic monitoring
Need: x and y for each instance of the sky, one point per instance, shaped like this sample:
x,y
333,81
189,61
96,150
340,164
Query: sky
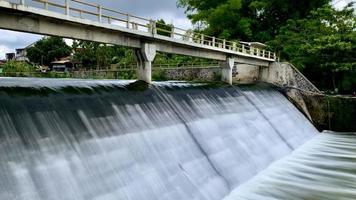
x,y
152,9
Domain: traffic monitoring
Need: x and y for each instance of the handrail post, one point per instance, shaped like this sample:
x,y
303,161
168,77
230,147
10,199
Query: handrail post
x,y
128,20
234,46
213,42
46,4
202,38
274,56
269,54
172,32
243,48
99,13
264,53
67,7
224,44
23,2
152,28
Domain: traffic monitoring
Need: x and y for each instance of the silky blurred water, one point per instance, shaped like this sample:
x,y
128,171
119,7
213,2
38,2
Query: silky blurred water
x,y
64,139
322,169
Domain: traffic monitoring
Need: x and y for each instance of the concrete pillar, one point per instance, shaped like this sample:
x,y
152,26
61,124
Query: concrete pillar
x,y
144,58
226,70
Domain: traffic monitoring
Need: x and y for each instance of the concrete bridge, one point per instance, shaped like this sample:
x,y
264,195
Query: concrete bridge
x,y
86,21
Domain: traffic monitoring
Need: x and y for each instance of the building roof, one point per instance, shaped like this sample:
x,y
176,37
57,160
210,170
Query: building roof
x,y
255,44
64,60
61,62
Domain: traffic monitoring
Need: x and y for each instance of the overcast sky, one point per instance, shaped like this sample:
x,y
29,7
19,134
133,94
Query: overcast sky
x,y
154,9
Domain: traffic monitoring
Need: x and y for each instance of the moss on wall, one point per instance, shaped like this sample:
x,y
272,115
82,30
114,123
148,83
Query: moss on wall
x,y
336,113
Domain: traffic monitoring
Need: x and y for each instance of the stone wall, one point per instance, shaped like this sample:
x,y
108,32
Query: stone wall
x,y
199,74
336,113
242,74
286,75
245,74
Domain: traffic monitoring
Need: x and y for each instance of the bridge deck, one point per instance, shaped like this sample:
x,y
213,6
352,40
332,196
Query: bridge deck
x,y
105,25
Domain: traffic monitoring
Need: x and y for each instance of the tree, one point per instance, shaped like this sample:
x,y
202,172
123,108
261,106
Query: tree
x,y
323,45
97,55
253,20
85,52
47,50
163,28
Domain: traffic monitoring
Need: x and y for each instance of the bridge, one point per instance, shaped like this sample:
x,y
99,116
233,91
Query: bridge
x,y
76,19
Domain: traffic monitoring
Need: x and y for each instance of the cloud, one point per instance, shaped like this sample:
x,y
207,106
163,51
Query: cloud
x,y
10,40
3,50
339,4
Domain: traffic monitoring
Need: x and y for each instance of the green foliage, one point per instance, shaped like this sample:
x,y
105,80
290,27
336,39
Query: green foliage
x,y
324,42
176,60
252,20
96,55
159,75
163,28
130,75
309,33
47,50
16,66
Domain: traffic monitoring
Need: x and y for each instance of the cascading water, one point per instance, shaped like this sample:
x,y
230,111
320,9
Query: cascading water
x,y
83,140
323,169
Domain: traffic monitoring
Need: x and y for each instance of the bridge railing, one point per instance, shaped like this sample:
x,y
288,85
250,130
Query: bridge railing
x,y
96,12
161,66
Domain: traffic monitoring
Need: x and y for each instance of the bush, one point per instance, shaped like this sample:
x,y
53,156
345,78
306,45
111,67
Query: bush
x,y
16,66
159,75
128,75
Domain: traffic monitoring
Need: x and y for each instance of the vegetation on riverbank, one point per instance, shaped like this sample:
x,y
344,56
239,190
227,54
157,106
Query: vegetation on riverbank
x,y
316,37
336,113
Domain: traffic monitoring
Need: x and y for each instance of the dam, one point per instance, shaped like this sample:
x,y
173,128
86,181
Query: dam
x,y
75,139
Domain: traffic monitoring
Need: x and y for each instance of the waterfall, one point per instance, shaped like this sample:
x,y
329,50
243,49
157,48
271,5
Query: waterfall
x,y
321,169
63,139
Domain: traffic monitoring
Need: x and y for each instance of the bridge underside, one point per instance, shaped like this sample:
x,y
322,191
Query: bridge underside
x,y
38,21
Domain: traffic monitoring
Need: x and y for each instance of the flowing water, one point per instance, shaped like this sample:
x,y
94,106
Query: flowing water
x,y
324,169
63,139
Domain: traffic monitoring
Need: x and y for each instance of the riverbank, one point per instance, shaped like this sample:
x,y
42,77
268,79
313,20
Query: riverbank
x,y
336,113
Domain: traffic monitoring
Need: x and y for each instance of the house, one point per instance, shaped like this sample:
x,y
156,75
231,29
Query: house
x,y
21,54
10,56
63,65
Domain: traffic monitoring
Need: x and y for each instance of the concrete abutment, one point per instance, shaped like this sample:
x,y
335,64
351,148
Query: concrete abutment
x,y
226,70
144,58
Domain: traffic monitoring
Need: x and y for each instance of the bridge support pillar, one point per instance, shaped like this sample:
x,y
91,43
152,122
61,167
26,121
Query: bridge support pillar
x,y
144,58
226,70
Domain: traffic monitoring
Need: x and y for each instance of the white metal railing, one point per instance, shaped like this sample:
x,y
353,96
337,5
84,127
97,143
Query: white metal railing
x,y
101,14
162,66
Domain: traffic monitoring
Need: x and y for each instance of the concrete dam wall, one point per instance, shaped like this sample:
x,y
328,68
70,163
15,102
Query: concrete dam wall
x,y
83,140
